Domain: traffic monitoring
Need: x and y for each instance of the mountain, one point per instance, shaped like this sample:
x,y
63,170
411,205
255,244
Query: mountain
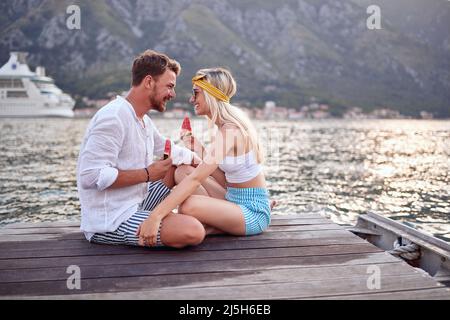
x,y
286,51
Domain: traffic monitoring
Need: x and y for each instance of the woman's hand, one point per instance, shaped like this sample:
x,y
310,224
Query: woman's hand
x,y
192,143
148,231
187,138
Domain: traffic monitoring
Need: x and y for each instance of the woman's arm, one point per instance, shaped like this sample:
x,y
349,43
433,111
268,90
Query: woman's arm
x,y
147,231
219,176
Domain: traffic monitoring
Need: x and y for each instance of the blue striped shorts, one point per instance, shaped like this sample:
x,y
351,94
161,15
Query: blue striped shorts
x,y
126,233
255,206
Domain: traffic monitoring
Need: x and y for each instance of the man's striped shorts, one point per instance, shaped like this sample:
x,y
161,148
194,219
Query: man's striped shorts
x,y
126,233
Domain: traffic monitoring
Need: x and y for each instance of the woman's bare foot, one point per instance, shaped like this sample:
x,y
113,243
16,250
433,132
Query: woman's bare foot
x,y
273,204
210,231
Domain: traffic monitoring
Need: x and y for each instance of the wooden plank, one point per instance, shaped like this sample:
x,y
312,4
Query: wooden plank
x,y
344,259
274,228
268,235
263,291
422,294
297,216
295,235
313,227
49,224
211,243
5,248
63,228
40,237
191,262
206,254
209,275
214,254
6,263
76,224
44,244
38,230
285,222
389,272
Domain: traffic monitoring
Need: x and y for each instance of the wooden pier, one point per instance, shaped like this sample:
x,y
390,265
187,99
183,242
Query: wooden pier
x,y
299,257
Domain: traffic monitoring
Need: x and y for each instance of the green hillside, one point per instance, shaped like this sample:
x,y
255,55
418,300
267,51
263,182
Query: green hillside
x,y
286,51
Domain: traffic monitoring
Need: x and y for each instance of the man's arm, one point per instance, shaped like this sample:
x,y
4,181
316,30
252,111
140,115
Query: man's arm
x,y
98,157
98,160
156,172
129,178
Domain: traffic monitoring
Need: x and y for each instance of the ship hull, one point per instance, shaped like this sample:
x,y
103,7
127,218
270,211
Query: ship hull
x,y
21,110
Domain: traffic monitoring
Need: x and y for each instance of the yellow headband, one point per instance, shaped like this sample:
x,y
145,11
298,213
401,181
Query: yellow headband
x,y
208,87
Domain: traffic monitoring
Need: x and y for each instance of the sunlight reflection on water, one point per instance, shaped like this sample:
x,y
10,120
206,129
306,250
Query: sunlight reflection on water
x,y
398,168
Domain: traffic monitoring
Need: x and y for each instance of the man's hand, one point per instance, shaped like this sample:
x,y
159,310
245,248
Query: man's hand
x,y
158,169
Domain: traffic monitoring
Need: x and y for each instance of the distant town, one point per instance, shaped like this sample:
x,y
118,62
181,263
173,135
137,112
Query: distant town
x,y
270,111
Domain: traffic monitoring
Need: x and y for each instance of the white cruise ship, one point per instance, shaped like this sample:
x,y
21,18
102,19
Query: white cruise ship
x,y
24,93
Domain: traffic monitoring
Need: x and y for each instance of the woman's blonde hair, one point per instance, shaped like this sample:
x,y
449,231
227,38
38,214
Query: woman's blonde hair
x,y
224,112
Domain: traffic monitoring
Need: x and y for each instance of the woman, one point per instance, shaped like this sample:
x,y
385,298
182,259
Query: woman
x,y
244,208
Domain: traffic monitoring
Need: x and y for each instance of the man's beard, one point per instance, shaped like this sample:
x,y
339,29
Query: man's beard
x,y
158,105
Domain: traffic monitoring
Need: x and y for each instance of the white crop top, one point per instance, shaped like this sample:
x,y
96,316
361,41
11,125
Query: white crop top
x,y
241,168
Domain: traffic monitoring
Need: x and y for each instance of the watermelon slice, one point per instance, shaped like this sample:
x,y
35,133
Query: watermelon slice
x,y
187,126
167,149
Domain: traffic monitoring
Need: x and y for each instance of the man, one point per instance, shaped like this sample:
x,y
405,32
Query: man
x,y
119,182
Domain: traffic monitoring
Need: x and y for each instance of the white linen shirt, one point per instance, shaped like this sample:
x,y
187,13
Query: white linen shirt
x,y
116,140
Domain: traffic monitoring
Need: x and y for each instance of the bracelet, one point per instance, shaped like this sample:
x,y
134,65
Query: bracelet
x,y
148,175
